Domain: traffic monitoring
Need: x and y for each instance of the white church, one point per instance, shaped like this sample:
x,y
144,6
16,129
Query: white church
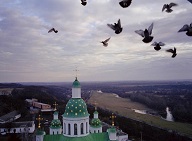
x,y
76,126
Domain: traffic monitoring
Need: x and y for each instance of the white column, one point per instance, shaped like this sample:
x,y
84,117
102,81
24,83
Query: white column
x,y
78,129
84,128
72,129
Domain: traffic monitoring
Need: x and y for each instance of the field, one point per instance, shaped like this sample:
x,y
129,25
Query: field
x,y
124,107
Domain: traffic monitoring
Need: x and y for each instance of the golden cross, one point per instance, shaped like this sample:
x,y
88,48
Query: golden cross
x,y
113,118
76,70
39,119
55,104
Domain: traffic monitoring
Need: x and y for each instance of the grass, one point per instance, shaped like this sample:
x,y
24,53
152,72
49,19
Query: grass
x,y
124,107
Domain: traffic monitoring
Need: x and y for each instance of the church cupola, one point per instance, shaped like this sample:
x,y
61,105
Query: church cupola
x,y
76,116
95,126
55,127
76,89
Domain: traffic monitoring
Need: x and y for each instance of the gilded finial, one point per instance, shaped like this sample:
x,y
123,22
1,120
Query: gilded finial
x,y
55,104
113,119
39,121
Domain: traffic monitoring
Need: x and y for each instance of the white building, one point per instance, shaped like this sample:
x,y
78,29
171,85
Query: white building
x,y
76,125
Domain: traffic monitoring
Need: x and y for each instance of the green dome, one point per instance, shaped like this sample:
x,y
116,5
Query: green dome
x,y
95,123
40,132
56,123
76,84
75,108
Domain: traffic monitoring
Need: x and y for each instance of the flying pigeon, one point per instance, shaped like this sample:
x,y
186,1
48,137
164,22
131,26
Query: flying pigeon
x,y
168,7
83,2
125,3
146,34
157,45
117,27
105,44
52,29
190,1
172,51
187,28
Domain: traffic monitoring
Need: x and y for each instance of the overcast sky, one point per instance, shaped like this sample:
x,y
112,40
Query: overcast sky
x,y
28,53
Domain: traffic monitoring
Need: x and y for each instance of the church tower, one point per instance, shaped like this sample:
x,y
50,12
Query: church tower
x,y
95,126
55,127
76,116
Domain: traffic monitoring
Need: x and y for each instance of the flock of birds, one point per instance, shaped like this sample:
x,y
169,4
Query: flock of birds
x,y
146,33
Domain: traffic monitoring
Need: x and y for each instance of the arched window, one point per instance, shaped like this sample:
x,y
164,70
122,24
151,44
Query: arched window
x,y
64,129
75,129
81,128
69,129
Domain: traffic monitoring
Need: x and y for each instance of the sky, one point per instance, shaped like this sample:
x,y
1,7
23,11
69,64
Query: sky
x,y
28,53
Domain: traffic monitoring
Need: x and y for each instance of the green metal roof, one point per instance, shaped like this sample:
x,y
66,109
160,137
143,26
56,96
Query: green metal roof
x,y
75,108
111,130
76,84
90,137
56,123
40,132
95,123
55,113
95,112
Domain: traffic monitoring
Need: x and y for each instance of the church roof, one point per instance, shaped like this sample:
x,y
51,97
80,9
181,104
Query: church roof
x,y
95,123
75,108
56,123
76,84
40,132
90,137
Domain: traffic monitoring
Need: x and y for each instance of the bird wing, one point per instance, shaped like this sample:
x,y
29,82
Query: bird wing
x,y
184,28
150,29
174,50
51,30
172,4
161,43
119,23
190,1
140,32
164,6
154,44
111,26
170,50
107,40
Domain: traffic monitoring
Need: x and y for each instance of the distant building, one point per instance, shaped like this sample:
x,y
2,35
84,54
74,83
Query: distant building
x,y
34,102
76,126
10,117
17,127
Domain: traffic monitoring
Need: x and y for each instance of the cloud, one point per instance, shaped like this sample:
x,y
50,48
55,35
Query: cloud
x,y
29,53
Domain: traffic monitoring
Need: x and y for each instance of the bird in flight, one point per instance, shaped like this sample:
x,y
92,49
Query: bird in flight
x,y
125,3
172,51
187,28
52,30
117,27
105,42
190,1
83,2
146,34
168,7
157,45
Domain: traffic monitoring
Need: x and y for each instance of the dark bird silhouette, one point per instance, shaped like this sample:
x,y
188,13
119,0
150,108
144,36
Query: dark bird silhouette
x,y
105,43
168,7
190,1
172,51
52,29
117,27
157,45
83,2
125,3
146,34
187,28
